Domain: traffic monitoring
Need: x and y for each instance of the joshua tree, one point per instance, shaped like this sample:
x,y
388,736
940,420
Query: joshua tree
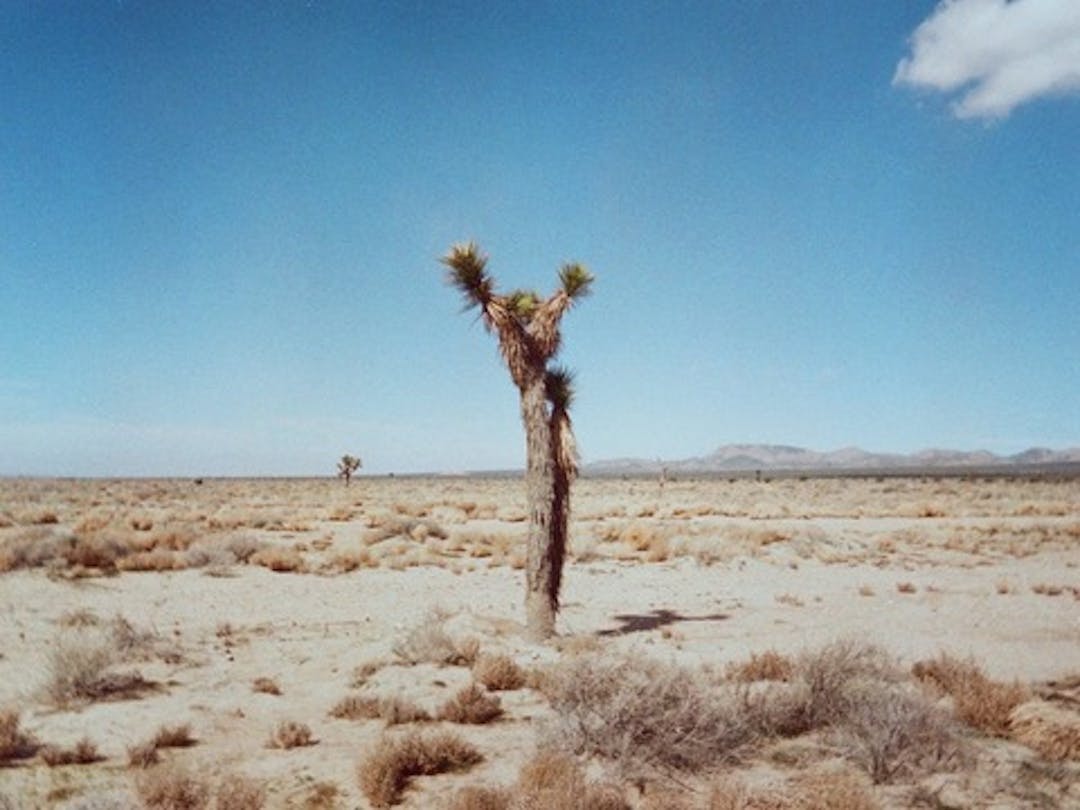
x,y
527,327
347,466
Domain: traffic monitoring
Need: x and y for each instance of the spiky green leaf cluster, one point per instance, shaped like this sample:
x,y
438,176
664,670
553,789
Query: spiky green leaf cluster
x,y
576,280
467,270
523,303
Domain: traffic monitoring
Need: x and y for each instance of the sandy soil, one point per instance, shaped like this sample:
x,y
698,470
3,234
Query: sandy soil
x,y
691,572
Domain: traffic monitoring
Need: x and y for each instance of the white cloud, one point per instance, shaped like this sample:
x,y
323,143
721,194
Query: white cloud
x,y
997,53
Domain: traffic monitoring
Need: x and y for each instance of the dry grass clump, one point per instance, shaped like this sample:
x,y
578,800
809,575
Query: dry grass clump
x,y
394,710
143,755
549,781
429,643
243,548
79,618
84,752
174,737
100,551
348,561
33,548
281,560
977,700
832,788
291,734
158,559
1052,731
733,793
767,666
552,779
415,530
78,671
175,788
266,686
322,796
386,771
172,789
481,797
80,661
357,707
362,673
498,673
240,793
14,743
471,705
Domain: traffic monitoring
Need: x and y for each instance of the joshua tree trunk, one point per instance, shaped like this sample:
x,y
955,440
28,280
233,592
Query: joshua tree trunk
x,y
542,574
528,332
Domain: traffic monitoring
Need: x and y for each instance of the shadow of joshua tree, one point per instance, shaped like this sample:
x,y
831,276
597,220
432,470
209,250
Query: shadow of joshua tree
x,y
661,617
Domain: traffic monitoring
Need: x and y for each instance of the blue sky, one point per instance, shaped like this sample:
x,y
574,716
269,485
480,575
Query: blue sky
x,y
823,224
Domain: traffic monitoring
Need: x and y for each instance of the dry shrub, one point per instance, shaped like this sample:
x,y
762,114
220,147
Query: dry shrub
x,y
977,700
1052,731
643,714
832,788
351,560
130,642
172,788
14,743
498,672
471,705
551,780
143,755
1045,589
240,793
80,618
243,548
33,548
322,796
157,559
429,643
891,732
398,711
99,551
827,677
76,668
732,793
385,772
267,686
84,752
174,737
481,797
362,673
279,559
141,523
394,710
356,707
290,734
767,666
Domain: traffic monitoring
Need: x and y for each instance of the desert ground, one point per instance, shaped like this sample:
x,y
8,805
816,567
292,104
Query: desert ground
x,y
723,643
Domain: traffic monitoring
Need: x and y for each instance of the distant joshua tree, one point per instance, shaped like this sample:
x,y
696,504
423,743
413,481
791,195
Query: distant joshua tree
x,y
347,466
528,331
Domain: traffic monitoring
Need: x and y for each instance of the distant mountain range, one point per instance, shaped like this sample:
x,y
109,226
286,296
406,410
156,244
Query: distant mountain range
x,y
743,457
